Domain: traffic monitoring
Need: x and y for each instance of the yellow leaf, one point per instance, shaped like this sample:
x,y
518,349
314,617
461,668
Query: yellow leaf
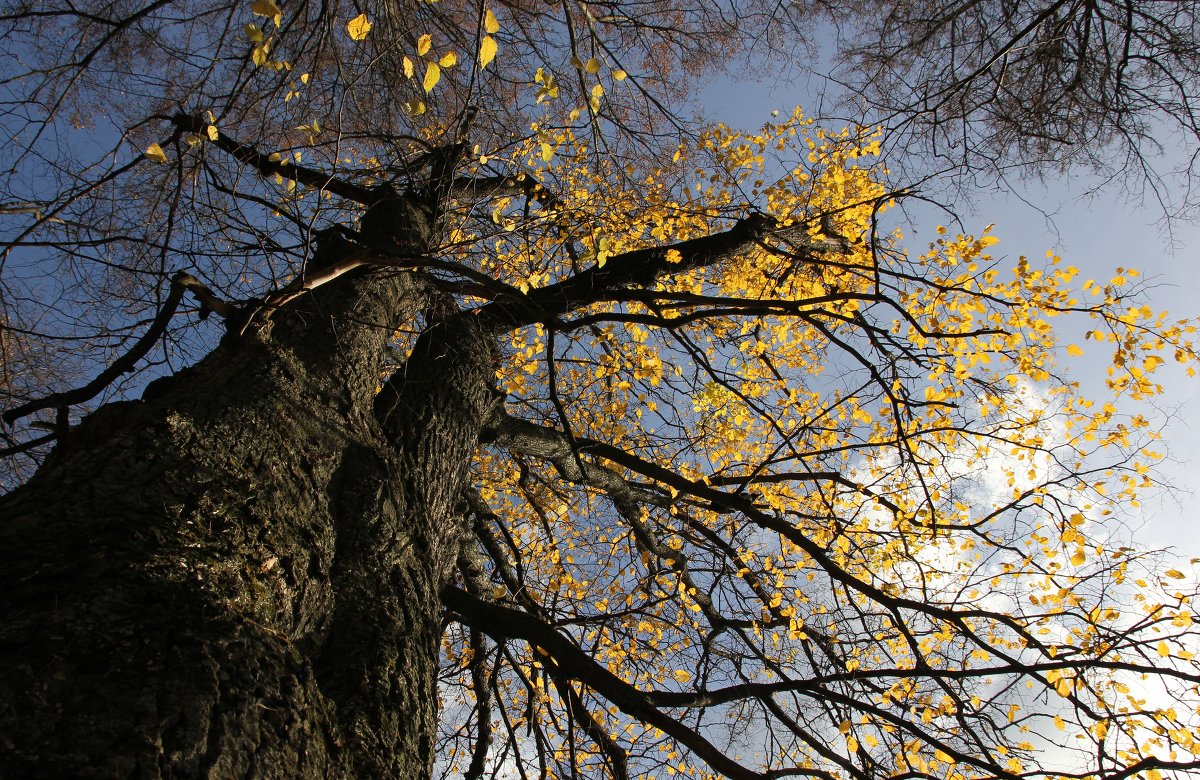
x,y
154,152
673,256
423,44
499,592
432,74
253,33
619,74
265,8
547,152
1164,649
592,66
414,107
682,676
1175,574
603,251
304,77
1074,351
408,67
490,23
358,27
549,89
852,744
594,101
213,132
844,727
259,55
1078,558
313,130
487,51
448,59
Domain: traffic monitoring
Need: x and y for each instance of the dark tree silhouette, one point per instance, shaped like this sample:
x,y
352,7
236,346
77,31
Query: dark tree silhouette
x,y
998,88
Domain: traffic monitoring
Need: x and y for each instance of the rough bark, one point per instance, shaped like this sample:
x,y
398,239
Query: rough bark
x,y
238,575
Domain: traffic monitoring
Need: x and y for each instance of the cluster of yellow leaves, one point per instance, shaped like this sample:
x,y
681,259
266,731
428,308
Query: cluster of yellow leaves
x,y
547,88
260,53
488,45
929,384
359,28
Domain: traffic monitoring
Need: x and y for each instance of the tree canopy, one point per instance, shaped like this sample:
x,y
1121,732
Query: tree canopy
x,y
733,481
994,89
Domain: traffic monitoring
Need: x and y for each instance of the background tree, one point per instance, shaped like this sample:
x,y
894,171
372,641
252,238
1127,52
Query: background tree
x,y
987,89
678,468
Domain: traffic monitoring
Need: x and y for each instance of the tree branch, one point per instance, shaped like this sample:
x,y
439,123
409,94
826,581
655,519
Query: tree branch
x,y
552,444
244,153
180,283
502,622
640,268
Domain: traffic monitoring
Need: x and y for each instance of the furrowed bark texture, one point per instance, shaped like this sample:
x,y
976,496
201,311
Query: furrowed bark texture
x,y
238,576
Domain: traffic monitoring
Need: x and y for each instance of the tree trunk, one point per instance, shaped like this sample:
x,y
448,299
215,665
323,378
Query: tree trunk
x,y
238,575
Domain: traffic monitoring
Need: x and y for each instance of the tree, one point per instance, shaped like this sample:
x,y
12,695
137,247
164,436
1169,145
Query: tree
x,y
987,89
631,476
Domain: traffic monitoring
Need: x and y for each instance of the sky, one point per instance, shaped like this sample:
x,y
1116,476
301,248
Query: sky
x,y
1097,233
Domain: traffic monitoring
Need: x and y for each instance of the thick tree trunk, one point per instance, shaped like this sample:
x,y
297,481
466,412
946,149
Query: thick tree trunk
x,y
238,576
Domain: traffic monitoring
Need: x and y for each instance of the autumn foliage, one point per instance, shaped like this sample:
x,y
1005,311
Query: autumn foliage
x,y
833,514
773,490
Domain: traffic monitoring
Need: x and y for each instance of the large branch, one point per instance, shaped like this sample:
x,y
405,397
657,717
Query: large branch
x,y
244,153
723,501
474,187
565,454
502,622
553,445
642,268
181,282
485,187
